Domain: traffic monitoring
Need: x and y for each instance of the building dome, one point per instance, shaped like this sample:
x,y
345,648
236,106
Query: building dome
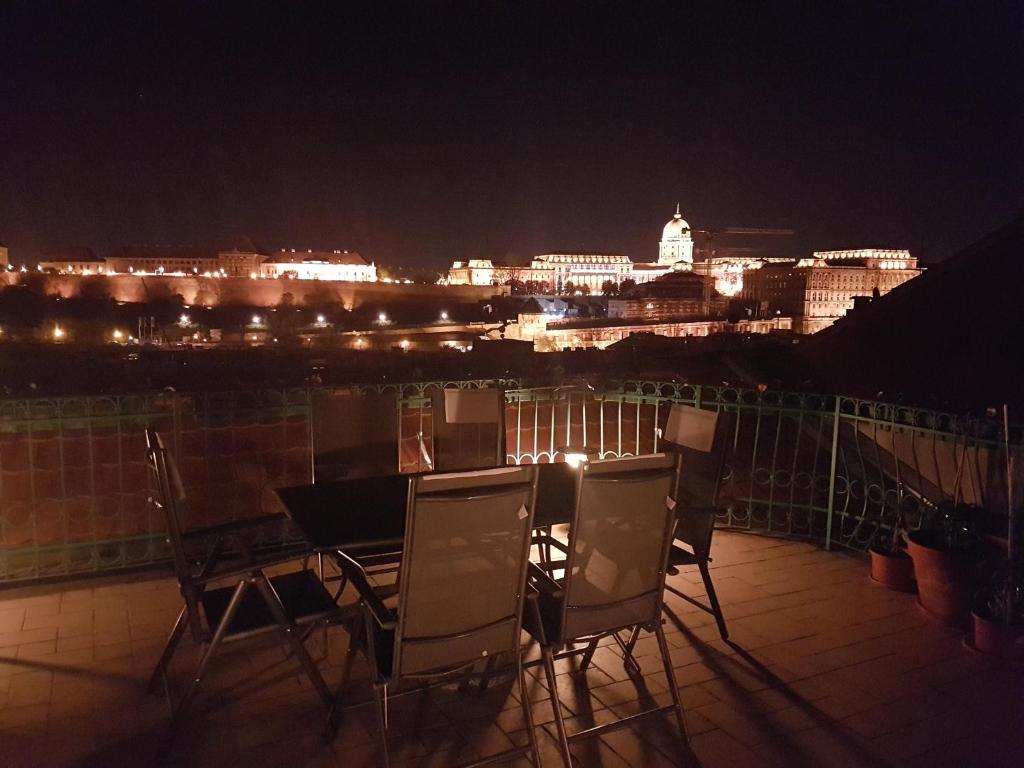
x,y
676,228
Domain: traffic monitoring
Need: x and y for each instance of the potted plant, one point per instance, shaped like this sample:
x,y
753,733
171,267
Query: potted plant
x,y
998,614
890,565
945,555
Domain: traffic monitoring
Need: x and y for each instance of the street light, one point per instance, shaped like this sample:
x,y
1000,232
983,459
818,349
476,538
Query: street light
x,y
444,315
257,320
382,317
184,320
321,319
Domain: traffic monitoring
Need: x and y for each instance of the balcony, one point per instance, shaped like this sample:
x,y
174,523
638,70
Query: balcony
x,y
822,667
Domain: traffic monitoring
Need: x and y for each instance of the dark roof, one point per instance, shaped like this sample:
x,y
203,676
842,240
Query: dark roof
x,y
162,252
674,285
70,253
531,307
950,337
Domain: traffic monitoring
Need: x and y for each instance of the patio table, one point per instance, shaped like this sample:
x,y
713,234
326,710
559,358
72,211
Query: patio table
x,y
368,513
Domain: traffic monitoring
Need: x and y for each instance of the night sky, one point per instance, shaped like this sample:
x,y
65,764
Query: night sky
x,y
433,131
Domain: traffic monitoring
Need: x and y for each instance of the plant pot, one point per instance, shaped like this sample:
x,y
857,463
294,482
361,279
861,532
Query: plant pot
x,y
895,571
998,639
943,581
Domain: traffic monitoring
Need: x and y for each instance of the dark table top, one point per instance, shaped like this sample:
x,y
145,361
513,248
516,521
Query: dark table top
x,y
369,512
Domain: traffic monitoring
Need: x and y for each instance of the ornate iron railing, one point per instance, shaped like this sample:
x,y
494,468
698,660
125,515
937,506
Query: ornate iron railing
x,y
74,496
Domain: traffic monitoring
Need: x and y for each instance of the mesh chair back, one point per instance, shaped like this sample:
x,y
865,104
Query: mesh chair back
x,y
464,568
619,543
468,428
695,527
171,496
354,435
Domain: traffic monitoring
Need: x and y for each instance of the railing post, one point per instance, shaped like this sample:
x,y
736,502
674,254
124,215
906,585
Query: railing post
x,y
832,475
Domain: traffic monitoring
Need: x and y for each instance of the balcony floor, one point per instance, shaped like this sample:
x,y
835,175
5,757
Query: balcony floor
x,y
823,669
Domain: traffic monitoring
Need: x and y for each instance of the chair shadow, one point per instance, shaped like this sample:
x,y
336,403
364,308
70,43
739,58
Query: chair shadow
x,y
64,669
718,662
661,722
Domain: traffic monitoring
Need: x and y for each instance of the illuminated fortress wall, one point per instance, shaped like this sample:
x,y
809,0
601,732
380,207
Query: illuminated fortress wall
x,y
211,292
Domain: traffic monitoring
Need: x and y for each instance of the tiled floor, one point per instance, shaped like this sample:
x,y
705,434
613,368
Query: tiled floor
x,y
822,669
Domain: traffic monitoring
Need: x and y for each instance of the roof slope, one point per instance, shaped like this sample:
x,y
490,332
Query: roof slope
x,y
953,336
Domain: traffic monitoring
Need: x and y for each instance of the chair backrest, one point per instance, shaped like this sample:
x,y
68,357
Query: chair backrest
x,y
354,435
619,543
170,495
695,527
464,564
468,428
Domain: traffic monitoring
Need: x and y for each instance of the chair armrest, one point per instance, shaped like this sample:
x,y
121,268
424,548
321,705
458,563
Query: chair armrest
x,y
354,572
540,581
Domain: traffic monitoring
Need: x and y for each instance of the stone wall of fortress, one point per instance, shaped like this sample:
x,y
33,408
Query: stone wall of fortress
x,y
208,291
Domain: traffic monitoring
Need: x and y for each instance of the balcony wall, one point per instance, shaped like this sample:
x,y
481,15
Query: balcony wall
x,y
74,495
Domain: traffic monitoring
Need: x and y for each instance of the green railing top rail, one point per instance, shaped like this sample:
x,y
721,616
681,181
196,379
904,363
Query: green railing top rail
x,y
97,409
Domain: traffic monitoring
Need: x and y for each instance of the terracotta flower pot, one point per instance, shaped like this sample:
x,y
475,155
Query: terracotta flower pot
x,y
895,571
997,639
943,581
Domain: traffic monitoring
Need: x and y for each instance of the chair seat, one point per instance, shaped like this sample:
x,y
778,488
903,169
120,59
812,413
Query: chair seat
x,y
678,556
302,594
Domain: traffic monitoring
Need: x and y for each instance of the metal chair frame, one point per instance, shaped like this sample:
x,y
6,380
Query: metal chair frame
x,y
695,529
248,573
561,646
376,614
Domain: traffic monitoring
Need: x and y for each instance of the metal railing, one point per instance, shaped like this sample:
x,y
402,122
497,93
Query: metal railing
x,y
830,469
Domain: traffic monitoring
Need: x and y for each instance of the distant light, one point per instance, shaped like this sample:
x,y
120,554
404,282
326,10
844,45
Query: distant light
x,y
382,317
321,319
184,320
404,344
131,269
118,335
58,332
256,320
444,315
252,275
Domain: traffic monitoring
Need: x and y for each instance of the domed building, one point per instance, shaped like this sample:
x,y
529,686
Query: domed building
x,y
676,241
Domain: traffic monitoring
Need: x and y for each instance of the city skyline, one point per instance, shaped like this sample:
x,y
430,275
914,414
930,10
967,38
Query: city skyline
x,y
447,131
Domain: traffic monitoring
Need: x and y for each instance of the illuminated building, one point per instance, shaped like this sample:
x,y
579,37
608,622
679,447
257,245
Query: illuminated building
x,y
339,266
676,242
4,261
677,295
819,290
550,335
592,270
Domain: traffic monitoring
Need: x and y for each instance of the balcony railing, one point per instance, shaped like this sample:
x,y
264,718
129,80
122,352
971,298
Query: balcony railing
x,y
73,483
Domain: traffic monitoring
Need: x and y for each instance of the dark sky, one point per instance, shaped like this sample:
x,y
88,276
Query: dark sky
x,y
431,131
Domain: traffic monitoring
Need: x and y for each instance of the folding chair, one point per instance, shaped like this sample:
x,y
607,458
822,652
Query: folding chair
x,y
472,432
614,575
461,587
695,528
252,605
695,429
